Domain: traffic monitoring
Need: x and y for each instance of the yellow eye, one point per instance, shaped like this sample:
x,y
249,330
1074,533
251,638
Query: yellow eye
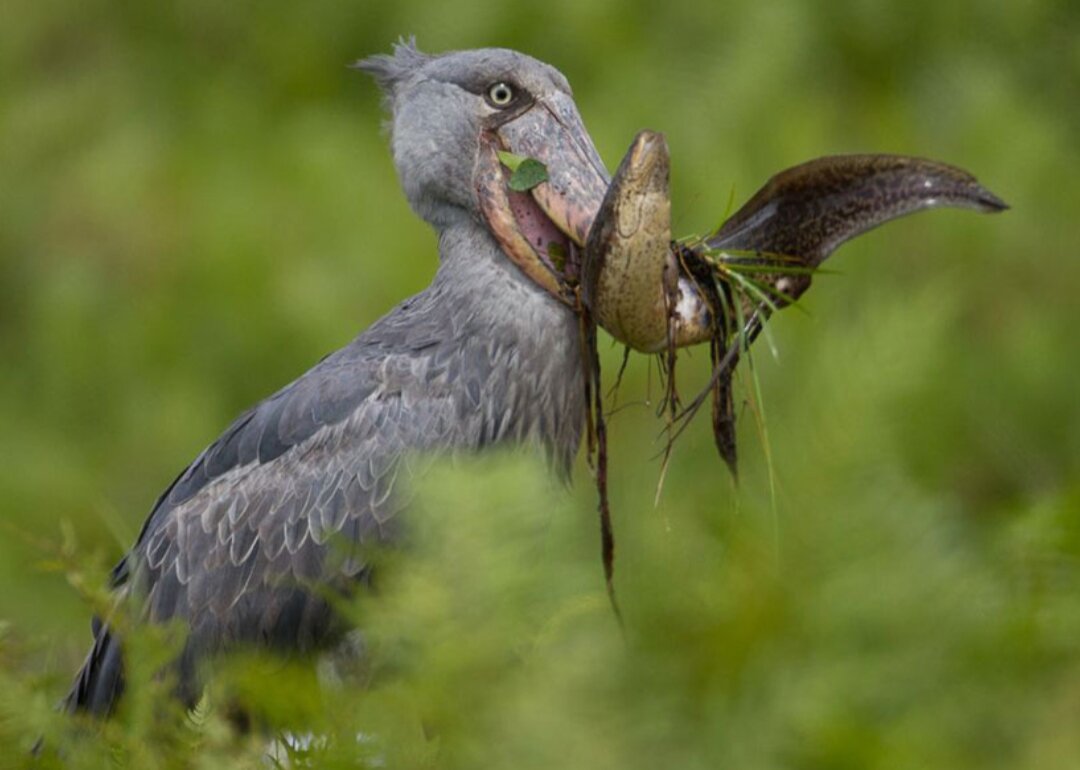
x,y
500,95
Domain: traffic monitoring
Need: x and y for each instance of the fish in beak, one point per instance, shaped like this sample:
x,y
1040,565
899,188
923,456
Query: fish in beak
x,y
640,288
544,229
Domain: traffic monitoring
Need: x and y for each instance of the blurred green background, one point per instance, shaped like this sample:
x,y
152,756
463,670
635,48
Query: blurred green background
x,y
197,202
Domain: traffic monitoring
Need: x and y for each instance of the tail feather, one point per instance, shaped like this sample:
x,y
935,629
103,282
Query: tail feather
x,y
100,681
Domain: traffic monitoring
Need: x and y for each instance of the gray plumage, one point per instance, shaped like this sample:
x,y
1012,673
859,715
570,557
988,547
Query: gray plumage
x,y
482,356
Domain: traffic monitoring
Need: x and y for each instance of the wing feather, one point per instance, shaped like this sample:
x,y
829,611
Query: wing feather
x,y
260,512
313,473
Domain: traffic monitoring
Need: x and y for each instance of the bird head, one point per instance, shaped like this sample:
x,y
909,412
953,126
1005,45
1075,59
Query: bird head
x,y
450,117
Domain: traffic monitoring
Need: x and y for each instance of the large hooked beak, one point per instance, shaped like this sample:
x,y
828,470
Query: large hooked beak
x,y
544,229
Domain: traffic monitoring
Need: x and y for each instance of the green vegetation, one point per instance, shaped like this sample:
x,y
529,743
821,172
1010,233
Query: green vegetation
x,y
526,174
196,202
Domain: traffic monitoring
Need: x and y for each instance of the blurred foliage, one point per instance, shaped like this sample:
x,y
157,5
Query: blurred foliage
x,y
196,202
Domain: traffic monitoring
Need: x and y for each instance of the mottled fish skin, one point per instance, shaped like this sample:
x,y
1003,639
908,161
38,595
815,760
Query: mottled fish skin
x,y
797,220
807,211
652,294
629,268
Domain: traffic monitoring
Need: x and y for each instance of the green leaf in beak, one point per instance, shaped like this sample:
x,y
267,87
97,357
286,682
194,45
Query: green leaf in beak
x,y
526,174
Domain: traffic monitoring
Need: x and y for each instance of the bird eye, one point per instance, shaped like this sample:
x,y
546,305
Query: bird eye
x,y
500,95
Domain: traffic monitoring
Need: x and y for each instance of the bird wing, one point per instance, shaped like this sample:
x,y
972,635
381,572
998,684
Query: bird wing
x,y
293,491
247,541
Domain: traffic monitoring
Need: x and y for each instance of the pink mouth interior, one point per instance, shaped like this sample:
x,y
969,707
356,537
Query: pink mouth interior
x,y
542,234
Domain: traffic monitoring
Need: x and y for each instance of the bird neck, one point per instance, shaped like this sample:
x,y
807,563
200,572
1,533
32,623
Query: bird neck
x,y
535,338
473,266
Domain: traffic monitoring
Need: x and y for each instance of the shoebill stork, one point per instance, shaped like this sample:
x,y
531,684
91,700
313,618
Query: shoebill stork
x,y
246,543
243,545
